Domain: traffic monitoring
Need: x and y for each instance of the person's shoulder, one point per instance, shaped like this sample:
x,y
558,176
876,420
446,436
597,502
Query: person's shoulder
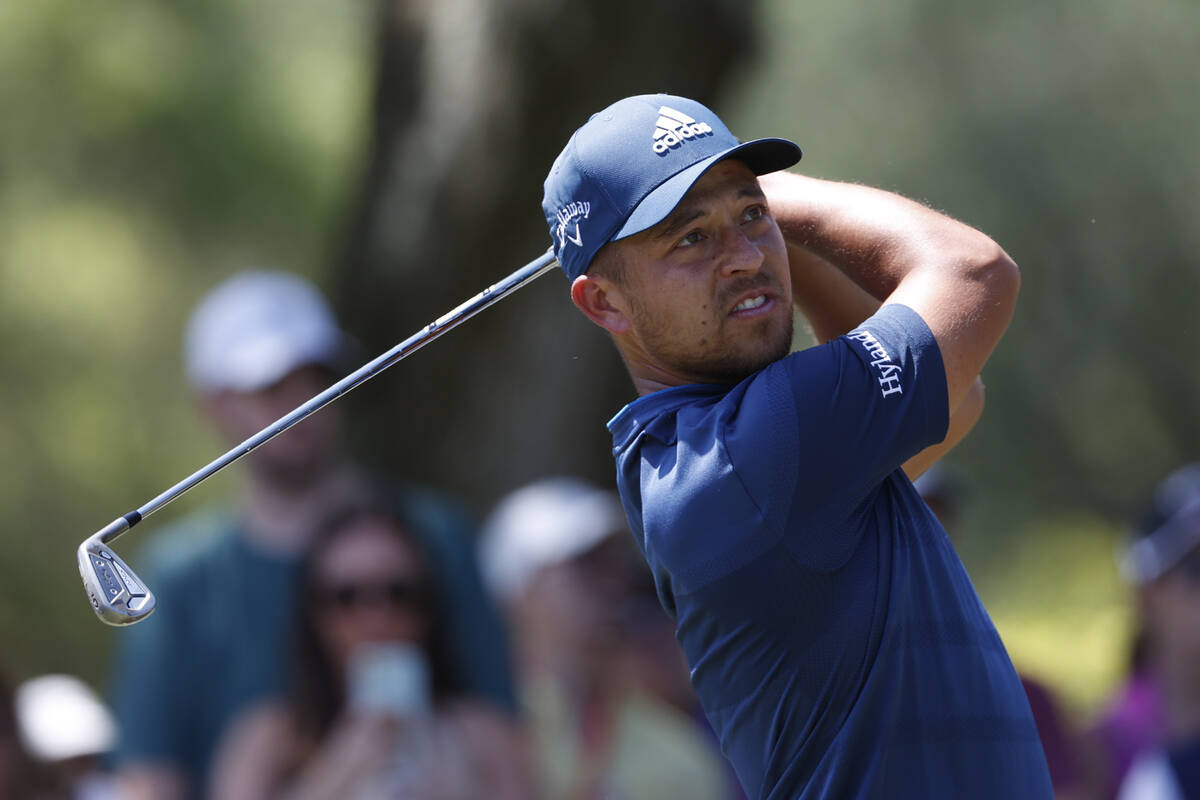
x,y
494,746
260,745
658,736
190,543
477,719
643,712
425,506
266,720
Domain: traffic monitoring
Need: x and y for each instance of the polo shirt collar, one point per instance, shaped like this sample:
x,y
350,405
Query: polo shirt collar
x,y
633,418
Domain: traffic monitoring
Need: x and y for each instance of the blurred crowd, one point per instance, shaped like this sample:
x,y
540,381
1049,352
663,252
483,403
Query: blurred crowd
x,y
335,633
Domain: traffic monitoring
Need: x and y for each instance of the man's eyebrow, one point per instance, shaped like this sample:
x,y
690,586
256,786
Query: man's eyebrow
x,y
753,191
679,219
683,216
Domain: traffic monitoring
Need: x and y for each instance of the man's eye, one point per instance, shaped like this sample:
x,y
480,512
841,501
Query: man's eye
x,y
754,212
695,237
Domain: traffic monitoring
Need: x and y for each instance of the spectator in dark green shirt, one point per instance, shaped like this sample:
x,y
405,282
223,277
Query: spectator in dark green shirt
x,y
226,578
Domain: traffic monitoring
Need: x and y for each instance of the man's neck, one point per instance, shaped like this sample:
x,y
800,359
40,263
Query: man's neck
x,y
581,680
649,378
283,519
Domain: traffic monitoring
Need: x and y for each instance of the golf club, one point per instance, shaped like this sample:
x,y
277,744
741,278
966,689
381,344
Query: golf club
x,y
119,597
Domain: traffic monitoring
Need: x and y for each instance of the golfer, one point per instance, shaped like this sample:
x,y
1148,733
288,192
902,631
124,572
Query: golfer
x,y
834,638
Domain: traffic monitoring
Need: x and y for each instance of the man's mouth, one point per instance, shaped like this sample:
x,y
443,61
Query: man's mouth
x,y
751,303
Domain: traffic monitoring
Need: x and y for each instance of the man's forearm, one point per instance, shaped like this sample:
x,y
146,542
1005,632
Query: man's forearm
x,y
962,420
848,248
829,299
874,237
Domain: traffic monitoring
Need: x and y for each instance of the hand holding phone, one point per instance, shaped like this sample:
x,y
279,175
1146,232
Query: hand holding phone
x,y
391,678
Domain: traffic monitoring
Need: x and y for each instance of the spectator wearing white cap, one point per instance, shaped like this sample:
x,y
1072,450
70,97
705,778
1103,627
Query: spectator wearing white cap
x,y
256,347
19,776
559,556
67,729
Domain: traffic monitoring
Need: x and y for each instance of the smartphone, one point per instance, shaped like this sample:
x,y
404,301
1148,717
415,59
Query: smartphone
x,y
391,678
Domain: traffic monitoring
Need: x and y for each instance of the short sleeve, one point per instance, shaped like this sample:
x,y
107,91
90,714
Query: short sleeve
x,y
846,414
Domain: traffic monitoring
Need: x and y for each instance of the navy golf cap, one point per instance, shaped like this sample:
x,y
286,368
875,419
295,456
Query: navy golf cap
x,y
629,165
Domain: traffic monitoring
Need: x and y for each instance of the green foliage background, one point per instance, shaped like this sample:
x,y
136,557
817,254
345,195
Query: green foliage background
x,y
147,150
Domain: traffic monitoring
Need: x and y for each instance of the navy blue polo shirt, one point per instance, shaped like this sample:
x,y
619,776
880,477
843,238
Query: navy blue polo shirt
x,y
835,641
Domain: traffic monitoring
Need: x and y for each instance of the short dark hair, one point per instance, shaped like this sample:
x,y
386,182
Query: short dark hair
x,y
609,263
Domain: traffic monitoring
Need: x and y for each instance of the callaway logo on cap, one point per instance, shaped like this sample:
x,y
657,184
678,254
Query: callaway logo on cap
x,y
569,218
629,165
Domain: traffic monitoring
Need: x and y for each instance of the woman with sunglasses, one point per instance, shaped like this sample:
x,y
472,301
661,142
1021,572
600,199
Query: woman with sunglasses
x,y
377,710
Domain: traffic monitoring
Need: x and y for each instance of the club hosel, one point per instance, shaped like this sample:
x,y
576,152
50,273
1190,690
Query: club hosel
x,y
118,526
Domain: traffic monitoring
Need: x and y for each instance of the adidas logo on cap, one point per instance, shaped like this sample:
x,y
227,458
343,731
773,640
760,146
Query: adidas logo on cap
x,y
673,128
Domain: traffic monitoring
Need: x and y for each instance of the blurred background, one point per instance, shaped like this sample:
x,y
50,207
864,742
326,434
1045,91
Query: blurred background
x,y
394,152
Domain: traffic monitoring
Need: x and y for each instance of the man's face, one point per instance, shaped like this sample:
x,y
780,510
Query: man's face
x,y
369,585
577,606
296,457
707,291
1170,610
1176,601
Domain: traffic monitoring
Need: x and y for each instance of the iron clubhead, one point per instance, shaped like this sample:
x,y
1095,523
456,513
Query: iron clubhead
x,y
117,595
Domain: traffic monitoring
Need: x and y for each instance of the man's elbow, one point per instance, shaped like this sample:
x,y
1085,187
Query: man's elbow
x,y
996,269
995,280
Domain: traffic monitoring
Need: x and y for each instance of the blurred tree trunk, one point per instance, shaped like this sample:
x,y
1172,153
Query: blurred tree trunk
x,y
474,98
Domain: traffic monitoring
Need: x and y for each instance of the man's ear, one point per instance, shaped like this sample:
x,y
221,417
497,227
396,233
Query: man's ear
x,y
602,301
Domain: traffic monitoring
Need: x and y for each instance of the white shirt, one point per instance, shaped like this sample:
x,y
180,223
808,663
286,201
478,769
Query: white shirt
x,y
1150,778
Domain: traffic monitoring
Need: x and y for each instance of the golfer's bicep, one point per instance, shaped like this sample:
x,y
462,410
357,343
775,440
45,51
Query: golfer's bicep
x,y
877,399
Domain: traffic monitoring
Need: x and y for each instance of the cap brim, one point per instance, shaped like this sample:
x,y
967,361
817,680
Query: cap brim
x,y
260,364
761,156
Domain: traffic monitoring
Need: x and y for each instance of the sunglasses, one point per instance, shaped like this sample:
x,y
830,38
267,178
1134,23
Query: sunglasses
x,y
397,594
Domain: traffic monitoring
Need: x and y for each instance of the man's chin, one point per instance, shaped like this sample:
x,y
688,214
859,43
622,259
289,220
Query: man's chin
x,y
737,368
772,352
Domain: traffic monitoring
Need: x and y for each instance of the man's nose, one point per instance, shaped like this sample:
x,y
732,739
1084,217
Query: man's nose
x,y
738,253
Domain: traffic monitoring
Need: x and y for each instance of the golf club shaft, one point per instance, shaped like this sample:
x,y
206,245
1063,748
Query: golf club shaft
x,y
462,313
